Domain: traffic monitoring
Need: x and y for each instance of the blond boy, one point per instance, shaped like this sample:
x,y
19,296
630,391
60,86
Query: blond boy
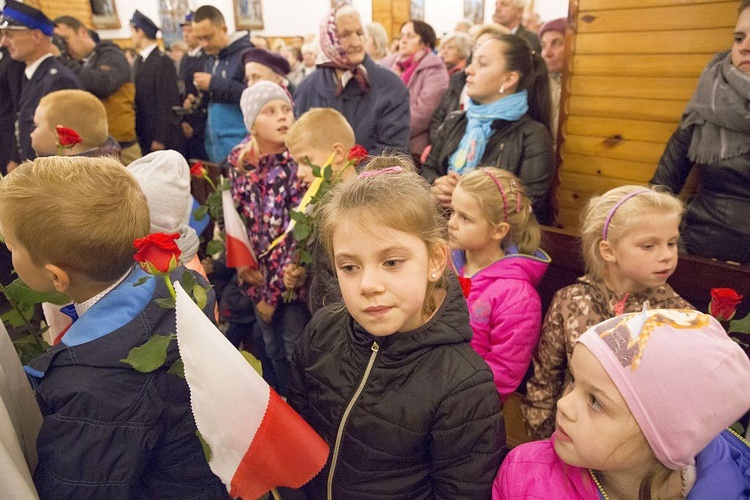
x,y
108,431
314,137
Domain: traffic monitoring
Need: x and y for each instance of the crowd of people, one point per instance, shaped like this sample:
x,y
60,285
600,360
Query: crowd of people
x,y
416,314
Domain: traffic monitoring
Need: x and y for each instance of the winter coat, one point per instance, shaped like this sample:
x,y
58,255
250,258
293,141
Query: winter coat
x,y
379,117
426,87
156,92
506,315
418,412
573,310
523,147
450,102
110,431
716,223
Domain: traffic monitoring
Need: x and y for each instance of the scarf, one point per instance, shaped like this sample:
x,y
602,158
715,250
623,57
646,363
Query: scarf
x,y
479,127
333,55
720,111
409,65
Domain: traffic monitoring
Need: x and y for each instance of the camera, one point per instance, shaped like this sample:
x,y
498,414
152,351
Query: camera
x,y
181,112
61,44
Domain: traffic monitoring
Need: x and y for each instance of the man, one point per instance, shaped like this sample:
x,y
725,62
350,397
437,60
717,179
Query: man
x,y
27,35
194,123
373,99
222,81
552,36
105,72
155,88
11,75
509,13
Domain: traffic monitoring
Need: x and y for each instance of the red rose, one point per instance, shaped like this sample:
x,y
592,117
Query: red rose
x,y
724,302
197,170
157,253
356,154
67,137
465,286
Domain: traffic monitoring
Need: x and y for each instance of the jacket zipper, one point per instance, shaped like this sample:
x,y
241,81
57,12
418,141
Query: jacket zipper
x,y
340,434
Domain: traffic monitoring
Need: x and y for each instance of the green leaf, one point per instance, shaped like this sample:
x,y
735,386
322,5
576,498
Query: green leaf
x,y
187,280
224,185
315,170
204,445
177,368
151,355
23,294
13,318
142,281
302,231
167,303
327,172
28,348
297,215
214,246
740,325
200,212
200,296
253,361
305,257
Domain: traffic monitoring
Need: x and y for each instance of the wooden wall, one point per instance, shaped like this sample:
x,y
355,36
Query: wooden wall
x,y
80,9
391,14
632,67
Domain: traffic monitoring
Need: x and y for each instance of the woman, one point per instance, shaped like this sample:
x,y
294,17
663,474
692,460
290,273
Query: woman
x,y
377,42
455,49
714,134
506,124
425,76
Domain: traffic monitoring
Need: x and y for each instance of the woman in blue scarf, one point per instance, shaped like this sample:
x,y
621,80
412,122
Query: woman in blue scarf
x,y
505,124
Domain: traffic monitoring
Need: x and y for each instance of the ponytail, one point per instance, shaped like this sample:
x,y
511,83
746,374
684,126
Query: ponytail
x,y
540,100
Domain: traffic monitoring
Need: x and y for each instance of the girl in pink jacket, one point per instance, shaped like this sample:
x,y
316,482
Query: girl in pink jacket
x,y
499,263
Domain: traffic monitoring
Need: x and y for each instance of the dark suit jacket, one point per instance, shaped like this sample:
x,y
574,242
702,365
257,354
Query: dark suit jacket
x,y
11,75
530,37
155,93
50,76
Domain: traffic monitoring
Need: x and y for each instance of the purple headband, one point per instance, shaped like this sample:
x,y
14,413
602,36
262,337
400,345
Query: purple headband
x,y
618,205
502,192
387,170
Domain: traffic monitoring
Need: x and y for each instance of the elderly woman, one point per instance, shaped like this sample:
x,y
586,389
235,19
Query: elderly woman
x,y
424,75
455,49
377,41
714,134
505,125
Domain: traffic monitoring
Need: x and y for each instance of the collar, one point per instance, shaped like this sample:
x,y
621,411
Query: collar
x,y
147,51
86,305
194,52
31,68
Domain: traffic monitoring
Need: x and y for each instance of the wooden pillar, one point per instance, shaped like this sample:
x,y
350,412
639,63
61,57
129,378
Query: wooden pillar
x,y
391,14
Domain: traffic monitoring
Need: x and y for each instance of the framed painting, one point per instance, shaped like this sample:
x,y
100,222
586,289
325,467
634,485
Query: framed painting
x,y
416,10
474,11
335,2
104,14
248,14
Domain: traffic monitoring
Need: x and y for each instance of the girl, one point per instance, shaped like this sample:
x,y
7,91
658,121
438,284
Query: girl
x,y
629,237
265,188
390,380
645,415
498,237
506,124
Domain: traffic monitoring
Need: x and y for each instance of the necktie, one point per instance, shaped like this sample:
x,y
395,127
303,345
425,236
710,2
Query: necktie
x,y
137,66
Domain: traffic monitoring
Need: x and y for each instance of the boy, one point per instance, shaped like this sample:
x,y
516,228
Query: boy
x,y
311,140
108,430
80,111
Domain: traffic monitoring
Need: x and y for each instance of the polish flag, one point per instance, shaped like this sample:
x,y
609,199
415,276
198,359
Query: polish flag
x,y
239,252
257,441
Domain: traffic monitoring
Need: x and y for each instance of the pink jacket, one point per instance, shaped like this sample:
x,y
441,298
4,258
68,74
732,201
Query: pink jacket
x,y
506,315
533,471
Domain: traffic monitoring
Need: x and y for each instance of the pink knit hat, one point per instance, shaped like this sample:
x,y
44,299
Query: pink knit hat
x,y
682,377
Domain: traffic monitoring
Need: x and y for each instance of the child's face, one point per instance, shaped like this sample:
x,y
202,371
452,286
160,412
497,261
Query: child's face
x,y
34,275
316,156
273,122
595,428
646,256
468,227
43,138
383,275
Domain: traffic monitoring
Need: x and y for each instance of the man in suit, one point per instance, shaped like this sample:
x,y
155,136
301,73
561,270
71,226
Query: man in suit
x,y
11,75
193,124
156,88
27,35
509,13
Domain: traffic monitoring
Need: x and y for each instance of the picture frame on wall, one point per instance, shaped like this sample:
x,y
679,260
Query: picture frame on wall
x,y
474,11
248,14
416,10
336,2
104,14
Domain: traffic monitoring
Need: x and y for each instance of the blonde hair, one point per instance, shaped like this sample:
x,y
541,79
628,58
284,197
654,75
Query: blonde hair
x,y
495,30
80,110
400,200
508,203
321,128
81,214
624,219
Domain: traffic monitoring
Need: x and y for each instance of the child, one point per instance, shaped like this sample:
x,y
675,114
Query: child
x,y
629,238
109,431
390,381
318,134
80,111
645,415
265,188
498,239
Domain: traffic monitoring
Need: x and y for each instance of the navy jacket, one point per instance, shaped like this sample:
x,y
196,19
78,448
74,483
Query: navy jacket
x,y
155,93
108,430
380,118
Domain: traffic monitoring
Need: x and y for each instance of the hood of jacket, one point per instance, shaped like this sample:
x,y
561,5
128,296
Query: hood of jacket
x,y
238,42
722,469
513,265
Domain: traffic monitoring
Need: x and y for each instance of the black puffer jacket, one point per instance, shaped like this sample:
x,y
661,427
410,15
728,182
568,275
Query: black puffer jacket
x,y
717,221
427,422
523,147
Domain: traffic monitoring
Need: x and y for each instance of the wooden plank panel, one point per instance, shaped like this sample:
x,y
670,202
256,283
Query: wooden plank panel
x,y
681,17
682,65
637,130
590,183
567,218
572,200
634,109
698,41
626,170
645,152
585,5
669,88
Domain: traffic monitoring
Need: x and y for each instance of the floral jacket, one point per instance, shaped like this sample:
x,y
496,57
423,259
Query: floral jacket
x,y
265,194
573,310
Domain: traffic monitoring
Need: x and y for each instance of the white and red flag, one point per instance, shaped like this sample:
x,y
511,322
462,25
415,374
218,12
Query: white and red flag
x,y
239,252
257,441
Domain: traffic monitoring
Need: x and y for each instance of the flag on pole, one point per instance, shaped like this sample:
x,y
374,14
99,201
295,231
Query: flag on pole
x,y
257,441
239,252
